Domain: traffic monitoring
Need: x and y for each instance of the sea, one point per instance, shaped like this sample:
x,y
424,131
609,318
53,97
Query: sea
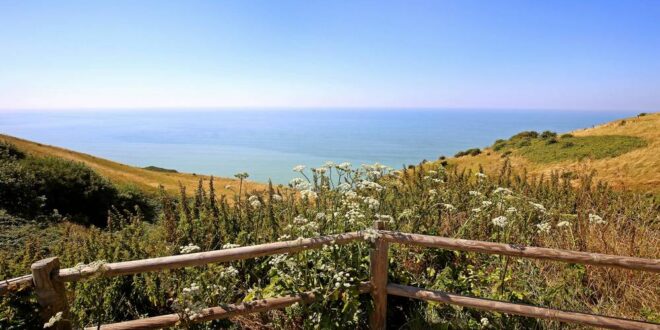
x,y
268,143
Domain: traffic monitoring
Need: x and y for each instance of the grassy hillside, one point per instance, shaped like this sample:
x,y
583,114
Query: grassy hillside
x,y
146,179
625,153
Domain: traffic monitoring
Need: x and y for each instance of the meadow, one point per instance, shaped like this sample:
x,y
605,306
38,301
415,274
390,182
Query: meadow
x,y
508,205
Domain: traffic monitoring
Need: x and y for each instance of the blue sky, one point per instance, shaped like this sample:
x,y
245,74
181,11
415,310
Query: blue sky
x,y
459,54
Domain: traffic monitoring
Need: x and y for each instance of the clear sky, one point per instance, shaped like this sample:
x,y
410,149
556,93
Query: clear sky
x,y
574,54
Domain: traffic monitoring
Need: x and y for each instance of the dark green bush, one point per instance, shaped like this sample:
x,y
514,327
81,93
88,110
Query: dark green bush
x,y
471,152
566,136
548,135
525,135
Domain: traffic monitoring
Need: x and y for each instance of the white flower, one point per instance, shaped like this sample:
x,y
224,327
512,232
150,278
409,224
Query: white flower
x,y
406,214
190,248
563,224
486,203
53,319
308,194
329,164
481,176
476,210
371,235
385,218
276,198
474,193
538,207
449,207
365,184
596,219
351,194
543,227
320,170
484,322
345,166
299,220
230,246
299,184
500,221
372,202
503,191
511,210
320,216
433,192
344,187
254,201
299,168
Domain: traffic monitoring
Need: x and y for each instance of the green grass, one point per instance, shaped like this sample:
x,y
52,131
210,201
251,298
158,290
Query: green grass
x,y
574,148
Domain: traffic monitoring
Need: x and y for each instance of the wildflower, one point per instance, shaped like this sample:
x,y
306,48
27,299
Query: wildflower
x,y
486,203
481,176
299,220
500,221
449,207
344,187
320,170
596,219
476,210
53,319
372,202
433,192
308,194
371,235
254,201
241,175
538,207
299,184
484,322
563,224
474,193
276,198
385,218
503,191
351,194
543,227
230,246
406,214
511,210
365,184
193,287
299,168
438,181
320,216
345,166
329,164
190,248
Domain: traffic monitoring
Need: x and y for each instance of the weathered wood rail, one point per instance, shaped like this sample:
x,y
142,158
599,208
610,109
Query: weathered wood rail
x,y
48,280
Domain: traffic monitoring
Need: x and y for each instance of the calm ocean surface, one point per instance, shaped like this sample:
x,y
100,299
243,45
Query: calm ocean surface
x,y
268,143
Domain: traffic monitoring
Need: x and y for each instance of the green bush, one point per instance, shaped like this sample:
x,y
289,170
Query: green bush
x,y
471,152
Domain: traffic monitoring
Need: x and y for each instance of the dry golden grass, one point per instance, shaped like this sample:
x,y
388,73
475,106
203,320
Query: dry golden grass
x,y
636,170
122,174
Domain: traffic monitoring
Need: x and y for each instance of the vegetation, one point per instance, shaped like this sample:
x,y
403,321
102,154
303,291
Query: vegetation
x,y
470,152
547,148
335,198
160,169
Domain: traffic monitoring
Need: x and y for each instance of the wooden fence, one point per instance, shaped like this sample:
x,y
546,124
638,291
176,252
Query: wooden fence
x,y
48,280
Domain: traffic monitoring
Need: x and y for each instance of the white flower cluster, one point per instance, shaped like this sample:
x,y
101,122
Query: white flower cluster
x,y
500,221
193,287
308,194
474,193
53,319
563,224
538,207
344,187
502,191
449,207
370,235
299,184
254,201
385,218
511,210
366,184
230,246
276,198
345,166
299,168
596,219
229,272
342,279
486,203
371,202
190,248
481,176
406,214
543,228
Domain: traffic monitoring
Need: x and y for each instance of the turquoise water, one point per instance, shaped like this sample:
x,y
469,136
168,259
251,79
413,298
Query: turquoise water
x,y
268,143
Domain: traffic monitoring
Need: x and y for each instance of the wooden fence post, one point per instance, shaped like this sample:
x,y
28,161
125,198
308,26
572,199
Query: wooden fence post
x,y
50,294
378,279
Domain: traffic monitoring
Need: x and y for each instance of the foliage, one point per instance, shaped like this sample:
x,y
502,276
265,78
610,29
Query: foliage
x,y
548,148
336,198
471,152
160,169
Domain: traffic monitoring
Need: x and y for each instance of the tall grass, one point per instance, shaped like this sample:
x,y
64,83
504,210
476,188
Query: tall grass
x,y
334,198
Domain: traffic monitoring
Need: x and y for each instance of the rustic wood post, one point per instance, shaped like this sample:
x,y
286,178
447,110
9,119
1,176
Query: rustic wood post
x,y
379,265
50,294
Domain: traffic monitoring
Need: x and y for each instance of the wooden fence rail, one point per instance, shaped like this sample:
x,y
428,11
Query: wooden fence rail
x,y
48,280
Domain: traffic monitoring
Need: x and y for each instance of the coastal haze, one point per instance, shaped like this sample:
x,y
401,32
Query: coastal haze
x,y
268,143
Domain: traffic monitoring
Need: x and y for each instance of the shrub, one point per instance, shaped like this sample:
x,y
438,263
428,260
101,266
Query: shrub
x,y
548,135
642,114
526,142
471,152
525,135
566,136
551,141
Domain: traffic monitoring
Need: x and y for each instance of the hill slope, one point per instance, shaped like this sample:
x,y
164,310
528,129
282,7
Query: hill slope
x,y
122,174
624,153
